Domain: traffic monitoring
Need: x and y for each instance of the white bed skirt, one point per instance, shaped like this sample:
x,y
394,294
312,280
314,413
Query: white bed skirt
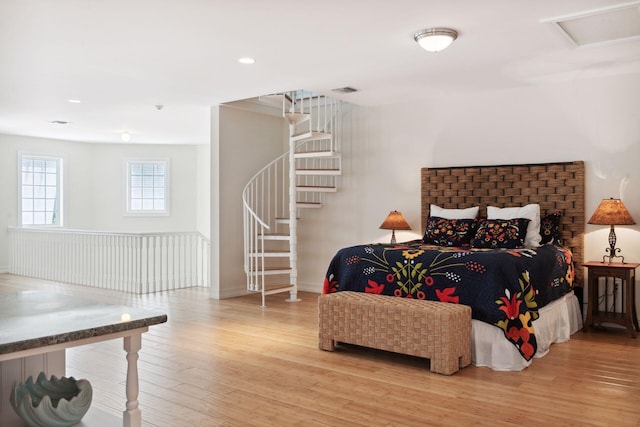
x,y
557,322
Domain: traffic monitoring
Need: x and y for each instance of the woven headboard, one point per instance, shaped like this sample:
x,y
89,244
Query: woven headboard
x,y
555,186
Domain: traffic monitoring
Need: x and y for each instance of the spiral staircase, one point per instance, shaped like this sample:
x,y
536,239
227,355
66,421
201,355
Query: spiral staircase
x,y
275,198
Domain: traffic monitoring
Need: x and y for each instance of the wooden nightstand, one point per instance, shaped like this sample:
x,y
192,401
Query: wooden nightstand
x,y
626,274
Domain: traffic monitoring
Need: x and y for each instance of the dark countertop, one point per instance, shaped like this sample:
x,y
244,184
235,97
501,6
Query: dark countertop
x,y
34,319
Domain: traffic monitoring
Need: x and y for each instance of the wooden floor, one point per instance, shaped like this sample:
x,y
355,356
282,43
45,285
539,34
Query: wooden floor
x,y
231,363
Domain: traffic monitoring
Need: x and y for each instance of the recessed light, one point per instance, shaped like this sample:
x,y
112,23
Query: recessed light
x,y
247,60
126,136
346,89
59,122
74,101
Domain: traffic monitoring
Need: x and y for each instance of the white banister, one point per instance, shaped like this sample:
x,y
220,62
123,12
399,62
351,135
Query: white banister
x,y
130,262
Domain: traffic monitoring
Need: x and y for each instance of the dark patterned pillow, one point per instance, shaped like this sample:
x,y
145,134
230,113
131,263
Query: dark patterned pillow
x,y
449,232
550,228
500,233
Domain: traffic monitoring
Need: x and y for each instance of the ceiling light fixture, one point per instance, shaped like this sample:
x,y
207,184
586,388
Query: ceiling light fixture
x,y
126,136
74,101
435,39
346,89
247,60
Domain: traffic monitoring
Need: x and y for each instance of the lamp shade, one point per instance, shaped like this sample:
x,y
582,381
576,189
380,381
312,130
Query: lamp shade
x,y
395,221
611,212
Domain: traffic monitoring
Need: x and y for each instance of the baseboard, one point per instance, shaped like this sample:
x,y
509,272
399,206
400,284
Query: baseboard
x,y
238,292
4,269
232,293
310,287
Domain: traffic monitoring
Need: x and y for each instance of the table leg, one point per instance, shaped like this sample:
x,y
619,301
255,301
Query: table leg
x,y
592,299
635,317
132,417
632,303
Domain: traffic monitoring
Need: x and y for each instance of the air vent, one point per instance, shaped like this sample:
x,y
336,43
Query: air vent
x,y
59,122
601,26
345,89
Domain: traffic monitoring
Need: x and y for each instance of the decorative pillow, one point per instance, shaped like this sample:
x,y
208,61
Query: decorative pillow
x,y
468,213
550,228
531,212
500,233
449,232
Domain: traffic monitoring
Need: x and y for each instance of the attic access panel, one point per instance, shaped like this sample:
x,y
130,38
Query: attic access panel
x,y
601,26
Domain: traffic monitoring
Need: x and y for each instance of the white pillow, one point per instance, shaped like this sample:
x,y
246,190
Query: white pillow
x,y
531,212
468,213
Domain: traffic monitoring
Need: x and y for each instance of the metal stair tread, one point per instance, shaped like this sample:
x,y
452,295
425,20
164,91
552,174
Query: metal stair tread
x,y
317,188
301,135
270,253
275,236
308,136
285,220
297,118
303,171
308,204
274,99
275,289
318,153
274,270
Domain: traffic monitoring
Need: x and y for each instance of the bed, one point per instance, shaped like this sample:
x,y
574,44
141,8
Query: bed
x,y
523,297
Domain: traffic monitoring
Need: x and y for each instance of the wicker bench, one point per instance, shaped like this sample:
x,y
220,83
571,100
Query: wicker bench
x,y
438,331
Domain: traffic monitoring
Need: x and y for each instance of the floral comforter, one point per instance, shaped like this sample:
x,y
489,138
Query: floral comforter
x,y
504,287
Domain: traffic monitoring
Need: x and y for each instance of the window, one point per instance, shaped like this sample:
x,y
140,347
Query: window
x,y
148,187
40,183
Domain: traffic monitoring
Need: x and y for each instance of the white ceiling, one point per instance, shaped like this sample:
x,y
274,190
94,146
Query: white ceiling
x,y
121,58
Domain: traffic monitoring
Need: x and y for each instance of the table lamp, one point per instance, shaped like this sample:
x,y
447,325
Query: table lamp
x,y
611,212
395,221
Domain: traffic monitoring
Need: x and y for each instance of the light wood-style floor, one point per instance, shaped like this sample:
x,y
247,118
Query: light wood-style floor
x,y
231,363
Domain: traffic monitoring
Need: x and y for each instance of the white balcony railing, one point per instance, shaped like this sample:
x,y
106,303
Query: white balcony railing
x,y
130,262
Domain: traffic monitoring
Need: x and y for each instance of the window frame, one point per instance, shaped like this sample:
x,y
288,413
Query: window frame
x,y
60,184
128,210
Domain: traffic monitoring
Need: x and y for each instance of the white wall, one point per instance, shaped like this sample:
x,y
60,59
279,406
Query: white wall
x,y
203,189
242,143
94,185
594,120
109,187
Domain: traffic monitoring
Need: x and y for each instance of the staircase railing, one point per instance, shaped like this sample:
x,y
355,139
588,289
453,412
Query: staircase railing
x,y
297,179
266,203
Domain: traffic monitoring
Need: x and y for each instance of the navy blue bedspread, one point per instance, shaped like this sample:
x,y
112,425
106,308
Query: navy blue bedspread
x,y
504,287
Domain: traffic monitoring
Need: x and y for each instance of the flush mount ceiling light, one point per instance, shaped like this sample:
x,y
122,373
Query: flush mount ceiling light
x,y
246,60
125,136
435,39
